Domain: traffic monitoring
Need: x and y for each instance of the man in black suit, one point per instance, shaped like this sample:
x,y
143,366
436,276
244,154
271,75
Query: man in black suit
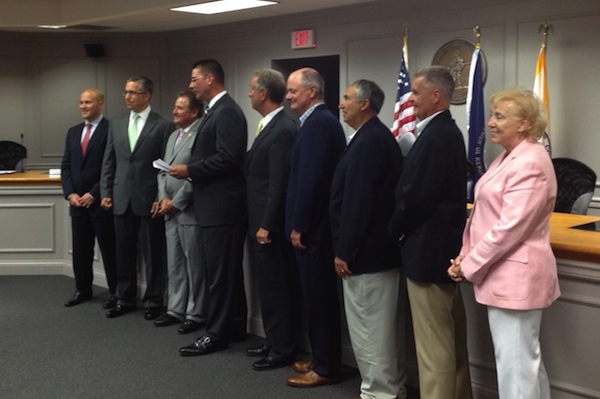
x,y
216,169
267,171
80,177
129,187
367,259
317,148
428,222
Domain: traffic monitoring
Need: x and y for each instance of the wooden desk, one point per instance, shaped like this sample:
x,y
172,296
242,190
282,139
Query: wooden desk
x,y
574,244
29,179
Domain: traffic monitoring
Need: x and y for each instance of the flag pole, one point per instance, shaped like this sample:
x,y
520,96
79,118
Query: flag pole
x,y
477,33
544,29
406,26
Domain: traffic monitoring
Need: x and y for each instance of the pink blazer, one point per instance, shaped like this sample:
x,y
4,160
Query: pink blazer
x,y
506,241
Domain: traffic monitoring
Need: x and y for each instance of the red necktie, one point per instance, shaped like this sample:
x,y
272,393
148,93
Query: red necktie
x,y
86,138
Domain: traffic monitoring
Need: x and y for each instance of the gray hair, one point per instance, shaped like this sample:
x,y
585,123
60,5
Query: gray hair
x,y
273,82
440,78
369,90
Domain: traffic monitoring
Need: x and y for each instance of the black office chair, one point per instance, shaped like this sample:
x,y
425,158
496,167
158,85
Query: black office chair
x,y
11,154
576,184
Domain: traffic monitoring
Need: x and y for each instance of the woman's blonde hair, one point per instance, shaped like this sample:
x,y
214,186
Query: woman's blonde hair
x,y
528,106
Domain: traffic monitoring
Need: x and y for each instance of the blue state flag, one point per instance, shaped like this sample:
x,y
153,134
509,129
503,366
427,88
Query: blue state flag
x,y
475,120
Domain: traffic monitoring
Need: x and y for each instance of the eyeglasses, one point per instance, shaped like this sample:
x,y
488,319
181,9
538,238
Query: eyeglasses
x,y
195,78
133,93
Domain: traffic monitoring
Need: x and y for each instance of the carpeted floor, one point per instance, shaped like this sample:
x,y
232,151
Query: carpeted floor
x,y
48,351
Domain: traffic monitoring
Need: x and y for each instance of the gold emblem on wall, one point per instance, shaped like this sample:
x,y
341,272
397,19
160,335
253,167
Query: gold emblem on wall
x,y
456,56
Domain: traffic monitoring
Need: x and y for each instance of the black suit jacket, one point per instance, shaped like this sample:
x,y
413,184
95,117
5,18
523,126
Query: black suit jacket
x,y
128,177
316,151
362,200
217,165
81,174
267,171
431,201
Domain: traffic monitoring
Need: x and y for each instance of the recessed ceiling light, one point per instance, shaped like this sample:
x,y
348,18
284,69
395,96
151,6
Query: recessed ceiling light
x,y
52,26
216,7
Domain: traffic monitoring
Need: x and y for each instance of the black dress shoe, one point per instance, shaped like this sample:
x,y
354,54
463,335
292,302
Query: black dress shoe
x,y
152,313
119,310
272,362
111,303
166,320
189,326
203,346
258,351
78,298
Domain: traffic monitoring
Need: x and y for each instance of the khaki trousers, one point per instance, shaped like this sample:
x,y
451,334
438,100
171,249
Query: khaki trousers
x,y
440,328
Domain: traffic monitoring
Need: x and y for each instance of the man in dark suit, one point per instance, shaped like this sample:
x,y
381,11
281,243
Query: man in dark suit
x,y
80,177
129,188
428,222
217,172
187,288
317,148
267,171
367,259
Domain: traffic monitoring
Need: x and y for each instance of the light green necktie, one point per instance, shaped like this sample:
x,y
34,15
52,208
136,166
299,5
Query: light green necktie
x,y
133,130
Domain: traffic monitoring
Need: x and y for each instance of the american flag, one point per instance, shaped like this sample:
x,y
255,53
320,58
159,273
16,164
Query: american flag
x,y
404,120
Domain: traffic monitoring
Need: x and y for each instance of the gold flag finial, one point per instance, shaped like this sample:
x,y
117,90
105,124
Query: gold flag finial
x,y
477,33
544,29
406,26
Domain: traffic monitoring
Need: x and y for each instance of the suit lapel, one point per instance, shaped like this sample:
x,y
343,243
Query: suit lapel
x,y
148,126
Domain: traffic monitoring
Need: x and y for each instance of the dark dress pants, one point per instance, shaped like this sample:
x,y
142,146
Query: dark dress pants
x,y
279,292
146,236
222,250
320,293
85,230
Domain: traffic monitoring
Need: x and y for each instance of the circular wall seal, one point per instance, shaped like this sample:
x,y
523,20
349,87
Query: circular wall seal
x,y
456,56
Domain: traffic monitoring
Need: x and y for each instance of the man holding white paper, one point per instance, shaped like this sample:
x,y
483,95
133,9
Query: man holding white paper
x,y
187,292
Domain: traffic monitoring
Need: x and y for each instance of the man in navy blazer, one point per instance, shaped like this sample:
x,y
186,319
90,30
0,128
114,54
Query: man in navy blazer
x,y
267,172
317,148
367,259
216,169
129,187
80,176
428,222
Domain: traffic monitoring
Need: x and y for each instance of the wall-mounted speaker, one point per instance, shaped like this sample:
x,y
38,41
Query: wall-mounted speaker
x,y
94,50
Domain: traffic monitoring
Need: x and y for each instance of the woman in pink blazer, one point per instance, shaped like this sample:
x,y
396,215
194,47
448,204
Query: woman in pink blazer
x,y
506,251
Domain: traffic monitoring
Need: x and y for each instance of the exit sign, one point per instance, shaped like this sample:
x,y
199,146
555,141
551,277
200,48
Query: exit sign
x,y
303,39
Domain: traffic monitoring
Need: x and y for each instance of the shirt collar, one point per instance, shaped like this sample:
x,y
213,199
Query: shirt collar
x,y
216,98
308,112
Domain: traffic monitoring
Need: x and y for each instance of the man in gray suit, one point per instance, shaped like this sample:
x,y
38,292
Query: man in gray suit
x,y
186,275
129,186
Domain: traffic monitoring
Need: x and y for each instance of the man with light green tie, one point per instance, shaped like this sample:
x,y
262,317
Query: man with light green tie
x,y
129,188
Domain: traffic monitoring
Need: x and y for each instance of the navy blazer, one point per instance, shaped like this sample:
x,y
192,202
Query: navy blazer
x,y
431,201
80,174
362,200
267,172
217,165
316,151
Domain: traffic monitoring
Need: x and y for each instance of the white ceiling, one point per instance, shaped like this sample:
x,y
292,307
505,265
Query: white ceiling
x,y
136,15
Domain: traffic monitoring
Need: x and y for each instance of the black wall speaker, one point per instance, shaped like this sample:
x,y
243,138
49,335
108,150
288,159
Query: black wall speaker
x,y
94,50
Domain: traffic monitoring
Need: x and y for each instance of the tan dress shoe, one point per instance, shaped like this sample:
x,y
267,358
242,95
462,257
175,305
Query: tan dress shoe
x,y
302,366
310,379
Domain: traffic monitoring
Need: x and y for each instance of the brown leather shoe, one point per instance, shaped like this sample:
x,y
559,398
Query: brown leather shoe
x,y
302,366
310,379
